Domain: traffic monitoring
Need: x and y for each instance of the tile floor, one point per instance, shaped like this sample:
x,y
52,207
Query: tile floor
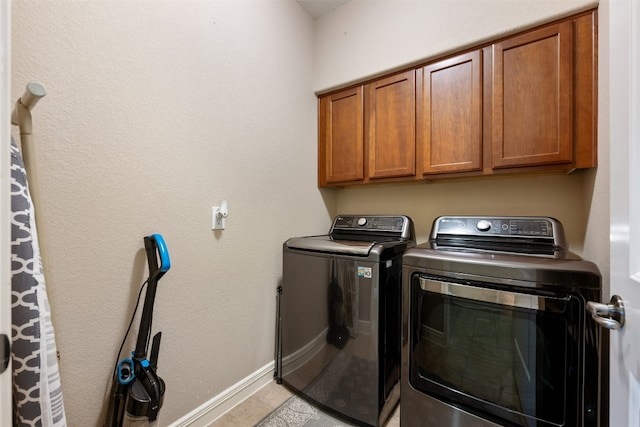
x,y
261,403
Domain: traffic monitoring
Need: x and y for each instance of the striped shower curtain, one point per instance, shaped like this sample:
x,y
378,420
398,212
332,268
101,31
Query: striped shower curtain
x,y
37,392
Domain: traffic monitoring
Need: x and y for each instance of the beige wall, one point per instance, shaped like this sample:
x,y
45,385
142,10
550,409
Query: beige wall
x,y
156,111
363,39
557,196
366,38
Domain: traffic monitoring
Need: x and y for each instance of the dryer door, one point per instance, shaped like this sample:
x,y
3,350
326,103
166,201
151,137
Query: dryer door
x,y
504,354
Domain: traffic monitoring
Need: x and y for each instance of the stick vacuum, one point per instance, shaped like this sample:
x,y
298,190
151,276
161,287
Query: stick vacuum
x,y
137,392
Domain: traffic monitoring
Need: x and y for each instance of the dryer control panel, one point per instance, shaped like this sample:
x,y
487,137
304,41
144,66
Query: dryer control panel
x,y
480,228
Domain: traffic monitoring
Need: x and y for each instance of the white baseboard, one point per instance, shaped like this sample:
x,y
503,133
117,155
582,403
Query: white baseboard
x,y
228,399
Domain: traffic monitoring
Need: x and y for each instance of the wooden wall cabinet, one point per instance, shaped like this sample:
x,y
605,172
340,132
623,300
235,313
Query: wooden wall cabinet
x,y
367,132
542,112
525,103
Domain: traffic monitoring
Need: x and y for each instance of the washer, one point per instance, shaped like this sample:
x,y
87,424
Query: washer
x,y
340,312
495,331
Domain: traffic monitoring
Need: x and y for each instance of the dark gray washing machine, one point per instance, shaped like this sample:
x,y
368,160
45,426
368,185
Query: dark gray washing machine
x,y
340,312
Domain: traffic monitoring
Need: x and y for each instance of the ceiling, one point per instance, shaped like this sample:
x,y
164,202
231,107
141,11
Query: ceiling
x,y
317,8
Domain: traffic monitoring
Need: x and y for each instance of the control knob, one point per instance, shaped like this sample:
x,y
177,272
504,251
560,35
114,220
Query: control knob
x,y
362,222
483,225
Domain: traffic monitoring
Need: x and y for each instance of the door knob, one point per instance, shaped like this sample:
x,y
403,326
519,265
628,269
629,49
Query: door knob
x,y
610,316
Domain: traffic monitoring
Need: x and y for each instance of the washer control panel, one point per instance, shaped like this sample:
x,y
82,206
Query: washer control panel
x,y
396,224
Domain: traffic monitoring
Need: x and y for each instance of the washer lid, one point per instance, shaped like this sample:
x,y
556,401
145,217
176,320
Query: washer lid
x,y
329,245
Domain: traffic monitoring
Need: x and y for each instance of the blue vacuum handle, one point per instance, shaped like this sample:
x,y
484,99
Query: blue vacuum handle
x,y
155,243
165,262
156,248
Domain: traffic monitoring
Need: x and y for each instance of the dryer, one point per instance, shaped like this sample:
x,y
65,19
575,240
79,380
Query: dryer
x,y
495,331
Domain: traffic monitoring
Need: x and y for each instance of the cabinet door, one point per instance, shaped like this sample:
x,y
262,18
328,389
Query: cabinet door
x,y
532,98
341,139
391,126
450,115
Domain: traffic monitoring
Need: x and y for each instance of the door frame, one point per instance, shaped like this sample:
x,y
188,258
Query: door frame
x,y
5,202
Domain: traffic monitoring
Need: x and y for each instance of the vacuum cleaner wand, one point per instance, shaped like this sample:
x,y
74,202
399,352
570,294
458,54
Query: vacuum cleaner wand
x,y
151,243
137,391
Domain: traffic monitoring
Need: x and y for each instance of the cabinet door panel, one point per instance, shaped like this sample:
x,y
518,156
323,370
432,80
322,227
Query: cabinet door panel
x,y
532,98
391,126
343,136
450,115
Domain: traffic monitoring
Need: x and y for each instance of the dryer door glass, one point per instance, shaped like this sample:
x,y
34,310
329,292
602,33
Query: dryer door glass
x,y
504,354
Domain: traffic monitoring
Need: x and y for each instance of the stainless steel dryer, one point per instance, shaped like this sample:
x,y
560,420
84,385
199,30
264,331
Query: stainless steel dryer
x,y
340,312
495,331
